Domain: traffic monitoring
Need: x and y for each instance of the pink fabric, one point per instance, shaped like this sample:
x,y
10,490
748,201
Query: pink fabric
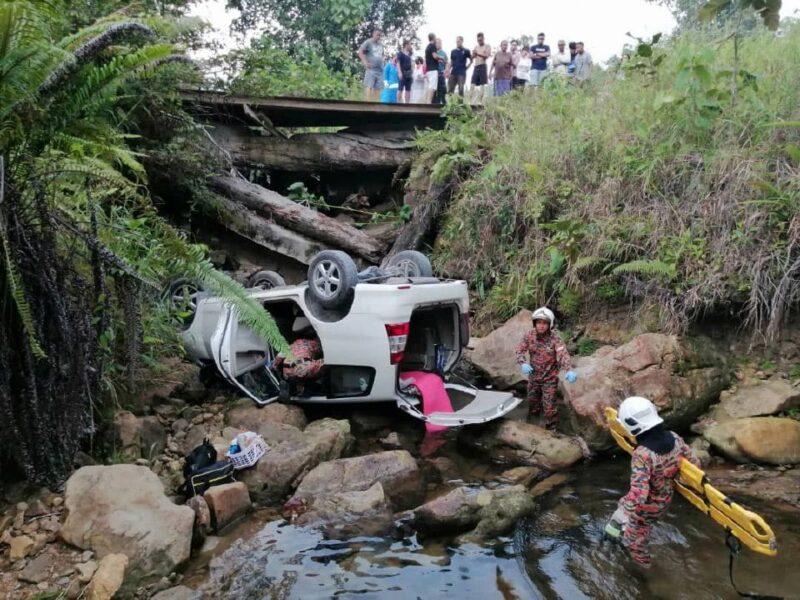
x,y
434,395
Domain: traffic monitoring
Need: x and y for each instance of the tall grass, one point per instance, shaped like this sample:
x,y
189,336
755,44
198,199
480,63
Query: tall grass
x,y
674,186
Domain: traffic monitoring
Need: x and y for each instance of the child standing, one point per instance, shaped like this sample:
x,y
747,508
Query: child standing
x,y
541,355
655,463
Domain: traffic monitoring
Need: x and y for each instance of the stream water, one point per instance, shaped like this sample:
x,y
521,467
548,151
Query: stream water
x,y
558,553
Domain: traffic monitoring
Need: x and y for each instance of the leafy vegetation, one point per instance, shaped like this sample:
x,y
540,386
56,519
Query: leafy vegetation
x,y
671,182
84,253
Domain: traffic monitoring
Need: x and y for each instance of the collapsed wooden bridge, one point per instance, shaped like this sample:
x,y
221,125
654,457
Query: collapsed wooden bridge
x,y
365,149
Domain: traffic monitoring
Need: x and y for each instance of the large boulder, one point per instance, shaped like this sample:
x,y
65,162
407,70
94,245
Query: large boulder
x,y
758,399
122,509
174,378
779,488
771,440
489,512
227,502
108,578
395,470
516,443
282,468
494,354
682,380
350,513
248,416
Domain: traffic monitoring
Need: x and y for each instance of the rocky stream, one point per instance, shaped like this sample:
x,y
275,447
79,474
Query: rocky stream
x,y
361,502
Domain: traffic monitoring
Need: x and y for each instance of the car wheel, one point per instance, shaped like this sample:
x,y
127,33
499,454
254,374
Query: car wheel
x,y
410,263
332,276
181,297
266,280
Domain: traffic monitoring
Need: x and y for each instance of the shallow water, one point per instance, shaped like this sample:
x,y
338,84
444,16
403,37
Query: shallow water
x,y
559,553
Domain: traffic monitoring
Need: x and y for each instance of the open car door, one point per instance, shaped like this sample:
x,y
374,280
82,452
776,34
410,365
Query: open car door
x,y
471,406
243,358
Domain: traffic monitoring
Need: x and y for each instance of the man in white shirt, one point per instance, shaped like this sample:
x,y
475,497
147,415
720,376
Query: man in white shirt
x,y
561,59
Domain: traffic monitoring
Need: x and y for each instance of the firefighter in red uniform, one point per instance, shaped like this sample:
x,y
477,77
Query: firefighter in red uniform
x,y
541,355
654,464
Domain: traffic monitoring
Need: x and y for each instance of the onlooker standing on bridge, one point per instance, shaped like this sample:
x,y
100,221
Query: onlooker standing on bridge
x,y
420,86
405,64
522,74
460,60
480,74
515,56
503,69
583,63
431,68
371,55
391,82
561,59
540,52
441,80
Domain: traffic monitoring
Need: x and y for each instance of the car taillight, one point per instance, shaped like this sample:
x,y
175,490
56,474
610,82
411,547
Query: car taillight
x,y
463,328
398,336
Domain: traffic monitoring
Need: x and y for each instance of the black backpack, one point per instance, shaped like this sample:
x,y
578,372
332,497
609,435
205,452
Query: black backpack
x,y
202,470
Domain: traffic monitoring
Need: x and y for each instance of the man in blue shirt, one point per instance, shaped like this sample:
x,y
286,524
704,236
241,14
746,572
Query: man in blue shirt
x,y
460,60
540,52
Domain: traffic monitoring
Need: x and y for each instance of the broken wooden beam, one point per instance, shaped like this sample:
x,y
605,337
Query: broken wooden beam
x,y
246,223
313,152
423,220
298,218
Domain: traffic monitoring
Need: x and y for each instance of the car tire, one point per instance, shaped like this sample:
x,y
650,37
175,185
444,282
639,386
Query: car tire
x,y
266,280
332,277
180,296
410,263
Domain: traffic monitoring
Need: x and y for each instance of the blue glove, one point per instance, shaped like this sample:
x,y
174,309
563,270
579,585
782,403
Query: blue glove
x,y
526,369
571,376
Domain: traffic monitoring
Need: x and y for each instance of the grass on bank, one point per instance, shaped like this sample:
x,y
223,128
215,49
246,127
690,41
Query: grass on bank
x,y
670,182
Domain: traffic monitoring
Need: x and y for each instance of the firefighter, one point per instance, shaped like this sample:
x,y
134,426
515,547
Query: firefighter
x,y
655,463
541,356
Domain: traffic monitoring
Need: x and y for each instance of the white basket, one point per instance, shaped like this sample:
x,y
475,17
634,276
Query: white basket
x,y
250,455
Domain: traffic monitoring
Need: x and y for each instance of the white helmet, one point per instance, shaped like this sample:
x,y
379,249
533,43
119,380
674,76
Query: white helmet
x,y
544,314
637,415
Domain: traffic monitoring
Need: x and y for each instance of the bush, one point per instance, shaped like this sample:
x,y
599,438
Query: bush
x,y
674,185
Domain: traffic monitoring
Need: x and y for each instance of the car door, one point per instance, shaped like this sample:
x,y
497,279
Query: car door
x,y
471,406
241,356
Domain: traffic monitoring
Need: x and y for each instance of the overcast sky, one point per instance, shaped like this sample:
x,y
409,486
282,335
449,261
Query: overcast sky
x,y
601,24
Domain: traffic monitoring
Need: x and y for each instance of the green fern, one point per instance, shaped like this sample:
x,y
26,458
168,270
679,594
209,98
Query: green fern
x,y
587,262
652,269
18,294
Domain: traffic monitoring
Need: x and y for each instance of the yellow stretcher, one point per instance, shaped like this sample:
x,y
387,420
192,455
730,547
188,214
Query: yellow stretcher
x,y
692,484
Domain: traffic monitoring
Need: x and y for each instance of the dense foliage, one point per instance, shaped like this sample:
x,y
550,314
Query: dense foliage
x,y
265,69
672,182
83,254
331,28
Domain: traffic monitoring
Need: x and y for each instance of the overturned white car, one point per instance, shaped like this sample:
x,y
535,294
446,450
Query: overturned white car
x,y
372,326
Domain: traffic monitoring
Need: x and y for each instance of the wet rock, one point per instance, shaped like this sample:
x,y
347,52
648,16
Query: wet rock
x,y
681,379
771,440
180,425
37,570
439,469
282,468
346,514
519,475
227,503
523,444
122,509
108,578
489,512
700,446
493,355
395,470
247,416
781,489
19,547
153,437
197,433
180,592
757,399
545,486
